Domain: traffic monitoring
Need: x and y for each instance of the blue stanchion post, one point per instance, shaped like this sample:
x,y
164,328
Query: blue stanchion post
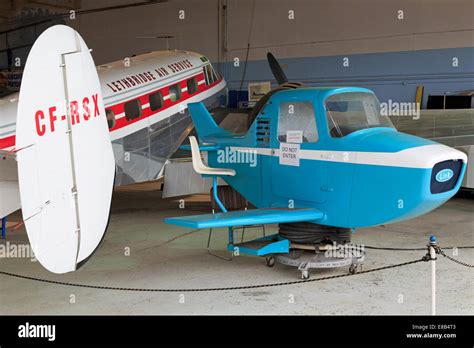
x,y
432,247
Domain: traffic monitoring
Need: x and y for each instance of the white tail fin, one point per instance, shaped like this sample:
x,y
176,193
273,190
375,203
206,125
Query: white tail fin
x,y
66,168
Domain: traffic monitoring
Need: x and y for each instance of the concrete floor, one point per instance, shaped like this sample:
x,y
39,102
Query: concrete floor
x,y
163,256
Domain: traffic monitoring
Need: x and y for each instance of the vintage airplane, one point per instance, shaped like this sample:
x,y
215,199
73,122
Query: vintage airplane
x,y
60,127
325,156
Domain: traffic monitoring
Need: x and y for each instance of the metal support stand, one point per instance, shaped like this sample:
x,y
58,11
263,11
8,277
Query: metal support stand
x,y
252,226
245,228
216,197
4,227
230,231
306,259
230,244
432,246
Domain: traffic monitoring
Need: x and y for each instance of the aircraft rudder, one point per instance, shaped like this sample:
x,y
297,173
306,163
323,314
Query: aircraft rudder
x,y
205,124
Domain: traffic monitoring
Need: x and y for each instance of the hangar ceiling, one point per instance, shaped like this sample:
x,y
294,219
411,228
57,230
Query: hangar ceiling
x,y
27,11
12,10
21,21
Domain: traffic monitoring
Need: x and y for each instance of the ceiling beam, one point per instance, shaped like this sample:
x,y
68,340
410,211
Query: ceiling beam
x,y
46,19
55,3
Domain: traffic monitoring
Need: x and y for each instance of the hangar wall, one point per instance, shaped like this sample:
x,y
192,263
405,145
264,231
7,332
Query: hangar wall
x,y
385,53
419,49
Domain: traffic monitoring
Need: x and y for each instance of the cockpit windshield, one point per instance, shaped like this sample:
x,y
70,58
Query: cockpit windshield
x,y
351,111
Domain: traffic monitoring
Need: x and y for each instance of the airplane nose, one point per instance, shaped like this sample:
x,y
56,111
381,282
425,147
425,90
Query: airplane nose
x,y
401,176
395,149
445,175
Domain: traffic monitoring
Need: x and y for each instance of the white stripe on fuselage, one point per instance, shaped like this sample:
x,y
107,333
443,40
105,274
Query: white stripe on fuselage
x,y
416,157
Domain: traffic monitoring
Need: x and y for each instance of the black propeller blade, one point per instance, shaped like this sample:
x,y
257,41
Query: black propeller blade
x,y
277,71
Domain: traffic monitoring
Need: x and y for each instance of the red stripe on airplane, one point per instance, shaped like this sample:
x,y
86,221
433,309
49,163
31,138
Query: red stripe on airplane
x,y
7,142
144,99
146,112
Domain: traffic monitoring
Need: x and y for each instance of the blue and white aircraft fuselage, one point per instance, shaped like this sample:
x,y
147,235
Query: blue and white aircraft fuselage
x,y
330,149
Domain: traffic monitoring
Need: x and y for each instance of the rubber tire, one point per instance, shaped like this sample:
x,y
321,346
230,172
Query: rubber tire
x,y
309,233
270,261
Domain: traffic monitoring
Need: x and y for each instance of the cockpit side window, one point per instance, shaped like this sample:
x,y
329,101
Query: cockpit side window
x,y
297,122
210,74
352,111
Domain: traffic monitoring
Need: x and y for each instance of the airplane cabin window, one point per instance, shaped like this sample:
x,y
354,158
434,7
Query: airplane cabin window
x,y
214,74
206,75
156,101
192,85
352,111
110,115
133,109
175,92
210,74
297,117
